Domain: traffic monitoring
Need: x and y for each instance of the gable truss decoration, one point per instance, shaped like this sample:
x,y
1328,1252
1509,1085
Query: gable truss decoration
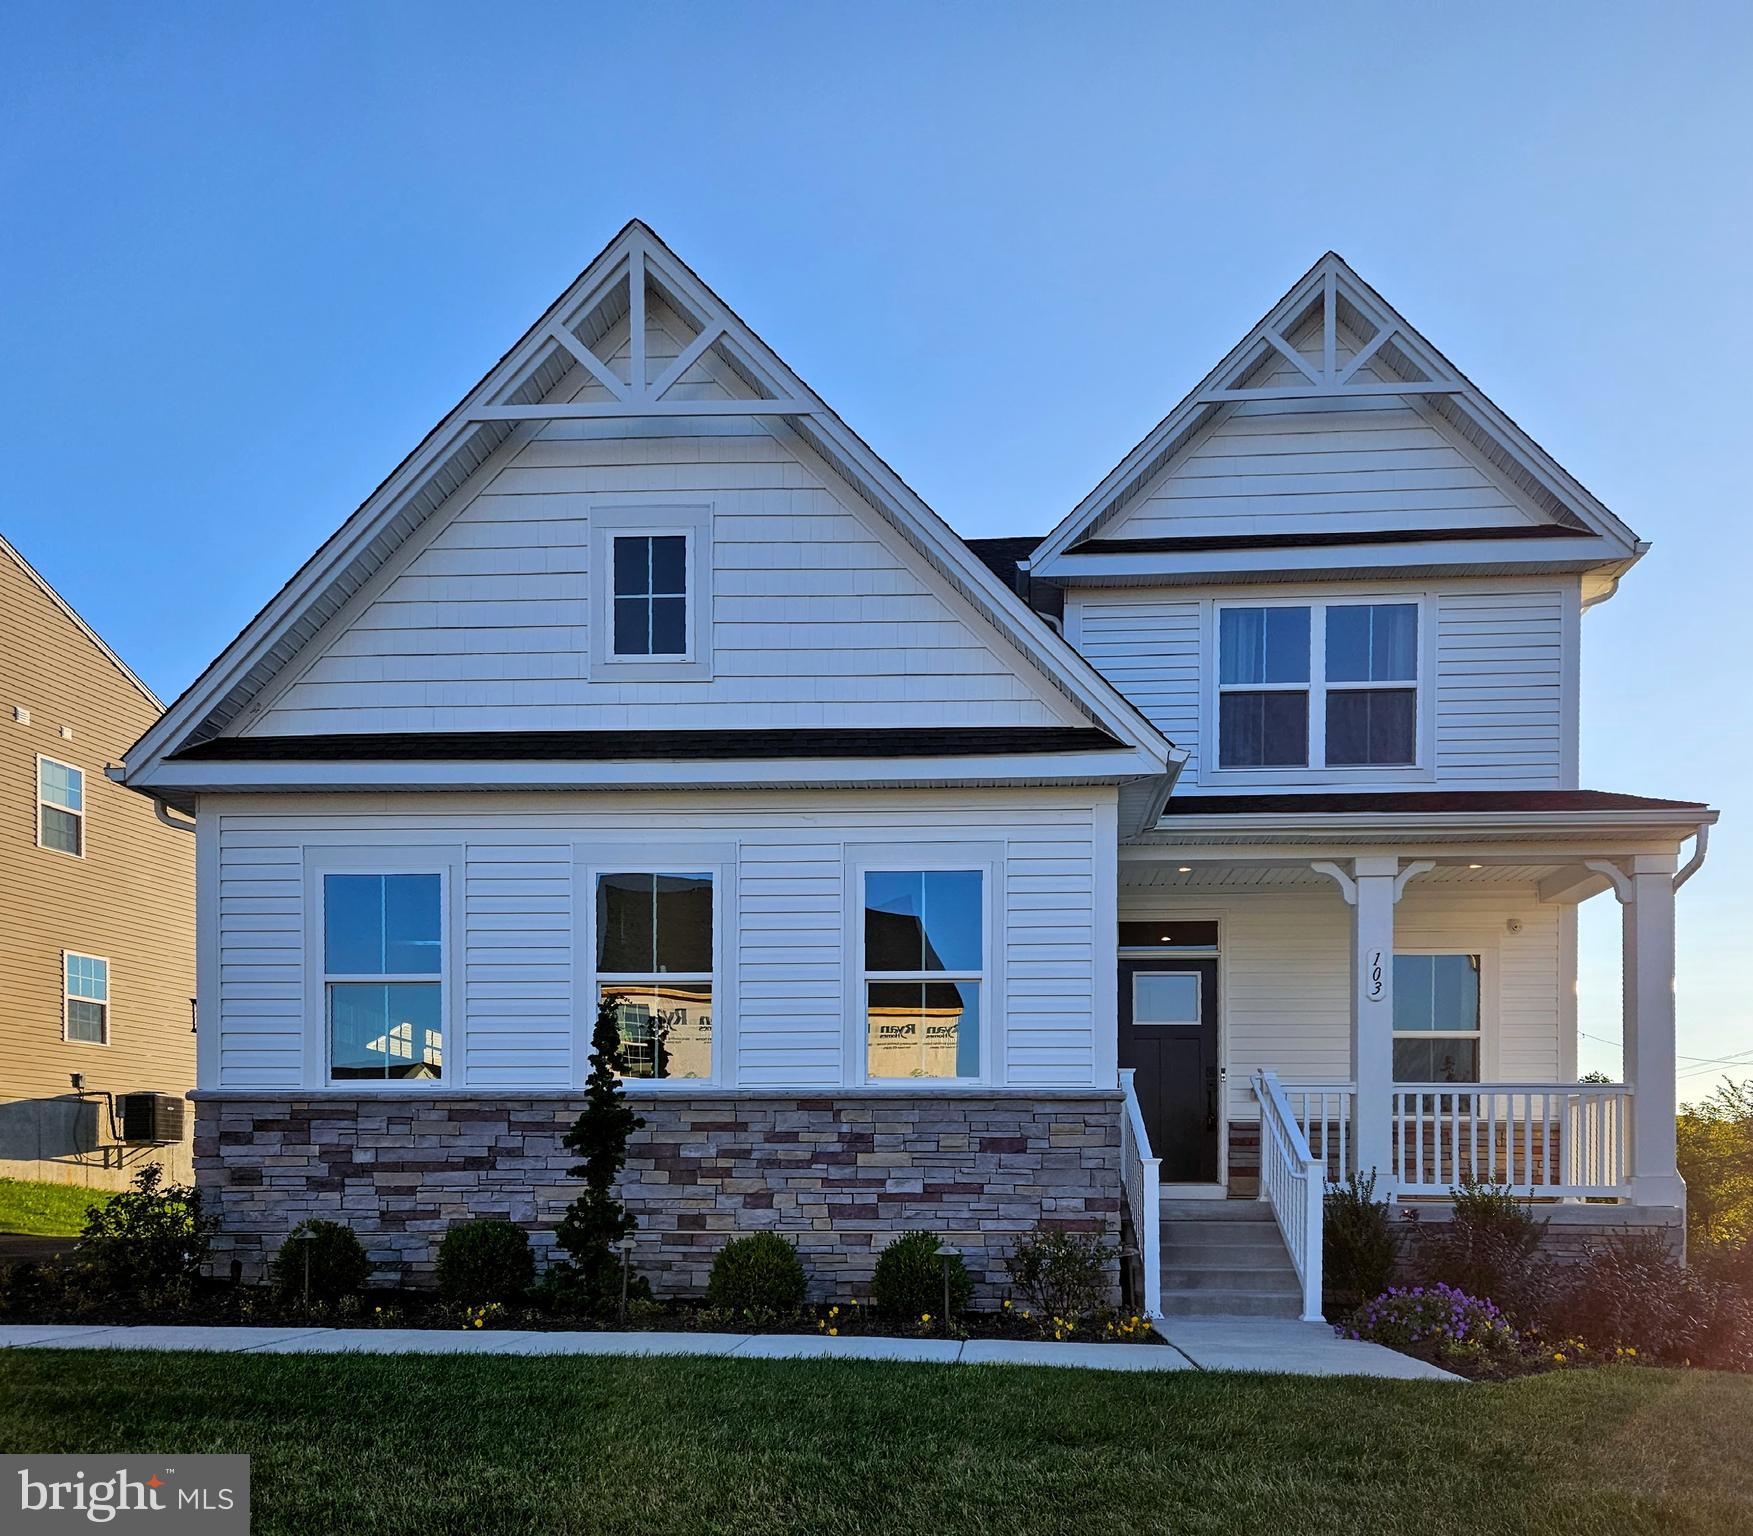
x,y
1332,337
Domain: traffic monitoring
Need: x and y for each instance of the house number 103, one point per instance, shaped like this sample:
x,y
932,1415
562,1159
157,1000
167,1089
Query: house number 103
x,y
1376,987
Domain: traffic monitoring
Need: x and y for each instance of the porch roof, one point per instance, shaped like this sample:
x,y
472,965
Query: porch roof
x,y
1493,802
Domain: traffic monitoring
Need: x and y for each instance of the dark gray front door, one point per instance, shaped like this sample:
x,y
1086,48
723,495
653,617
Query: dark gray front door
x,y
1168,1035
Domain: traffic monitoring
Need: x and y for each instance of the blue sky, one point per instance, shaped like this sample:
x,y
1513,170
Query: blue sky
x,y
249,254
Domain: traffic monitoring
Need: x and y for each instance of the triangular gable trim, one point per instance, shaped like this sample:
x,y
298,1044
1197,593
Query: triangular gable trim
x,y
1343,303
509,405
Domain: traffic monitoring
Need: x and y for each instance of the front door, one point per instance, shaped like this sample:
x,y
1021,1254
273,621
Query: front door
x,y
1168,1034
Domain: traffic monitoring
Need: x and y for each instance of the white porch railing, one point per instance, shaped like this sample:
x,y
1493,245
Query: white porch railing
x,y
1563,1139
1323,1113
1294,1182
1141,1173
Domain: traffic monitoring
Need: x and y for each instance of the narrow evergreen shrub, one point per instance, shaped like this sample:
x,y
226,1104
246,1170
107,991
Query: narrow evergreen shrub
x,y
1357,1245
1491,1248
146,1240
908,1283
759,1273
338,1265
1061,1274
485,1261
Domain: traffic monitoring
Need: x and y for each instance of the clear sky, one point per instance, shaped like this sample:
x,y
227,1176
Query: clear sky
x,y
250,253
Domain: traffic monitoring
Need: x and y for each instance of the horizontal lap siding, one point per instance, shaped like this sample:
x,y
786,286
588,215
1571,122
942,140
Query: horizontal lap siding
x,y
1312,465
1287,976
816,622
785,936
1147,646
1501,684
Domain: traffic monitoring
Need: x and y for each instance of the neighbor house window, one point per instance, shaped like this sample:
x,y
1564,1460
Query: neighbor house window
x,y
60,806
1322,685
383,960
654,954
924,968
1436,1018
85,998
651,594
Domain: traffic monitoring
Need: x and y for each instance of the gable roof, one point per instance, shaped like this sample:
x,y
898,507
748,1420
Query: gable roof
x,y
1362,347
36,577
511,403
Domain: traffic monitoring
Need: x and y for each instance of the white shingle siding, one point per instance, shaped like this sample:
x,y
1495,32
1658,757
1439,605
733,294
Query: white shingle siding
x,y
782,1007
817,621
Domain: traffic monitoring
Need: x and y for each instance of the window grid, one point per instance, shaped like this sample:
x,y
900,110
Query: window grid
x,y
60,807
1317,687
409,1050
1475,1036
85,1000
650,594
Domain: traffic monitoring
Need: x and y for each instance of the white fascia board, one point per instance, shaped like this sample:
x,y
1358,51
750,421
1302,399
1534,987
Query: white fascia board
x,y
1586,551
1360,826
207,777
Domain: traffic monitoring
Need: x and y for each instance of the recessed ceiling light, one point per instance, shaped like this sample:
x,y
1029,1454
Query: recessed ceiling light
x,y
1476,866
1185,869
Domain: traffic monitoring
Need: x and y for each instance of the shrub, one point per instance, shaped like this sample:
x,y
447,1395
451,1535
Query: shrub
x,y
759,1273
485,1261
1060,1274
151,1238
908,1284
1357,1246
589,1279
337,1263
1634,1292
1491,1248
1439,1321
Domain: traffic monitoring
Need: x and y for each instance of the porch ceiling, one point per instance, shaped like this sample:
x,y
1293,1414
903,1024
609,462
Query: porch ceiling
x,y
1221,874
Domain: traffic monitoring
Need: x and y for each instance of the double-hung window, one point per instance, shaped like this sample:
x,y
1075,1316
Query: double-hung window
x,y
924,972
655,957
1436,1018
85,998
60,806
383,967
651,594
1328,684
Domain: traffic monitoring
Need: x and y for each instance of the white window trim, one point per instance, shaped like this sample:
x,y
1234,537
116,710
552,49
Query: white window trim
x,y
1168,968
84,822
656,519
445,862
68,997
1317,770
1487,1033
989,861
643,859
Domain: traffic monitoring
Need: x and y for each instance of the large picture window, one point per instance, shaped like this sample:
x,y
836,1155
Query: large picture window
x,y
924,970
383,962
1325,685
60,806
1436,1018
654,954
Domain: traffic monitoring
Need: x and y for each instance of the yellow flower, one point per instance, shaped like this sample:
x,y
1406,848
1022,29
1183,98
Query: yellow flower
x,y
1559,1357
820,1323
1632,1353
833,1333
833,1311
925,1317
1007,1303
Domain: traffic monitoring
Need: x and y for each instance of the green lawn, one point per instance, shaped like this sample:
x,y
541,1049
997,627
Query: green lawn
x,y
479,1447
46,1210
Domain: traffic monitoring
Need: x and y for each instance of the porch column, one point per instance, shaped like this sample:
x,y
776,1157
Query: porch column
x,y
1373,887
1644,885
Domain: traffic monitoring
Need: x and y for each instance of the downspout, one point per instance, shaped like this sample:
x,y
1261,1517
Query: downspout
x,y
162,812
1700,846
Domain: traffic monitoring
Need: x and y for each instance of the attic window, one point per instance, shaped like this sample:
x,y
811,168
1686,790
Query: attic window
x,y
651,595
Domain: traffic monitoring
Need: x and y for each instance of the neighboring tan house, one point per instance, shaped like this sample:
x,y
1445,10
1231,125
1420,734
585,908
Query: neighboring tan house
x,y
1235,821
97,909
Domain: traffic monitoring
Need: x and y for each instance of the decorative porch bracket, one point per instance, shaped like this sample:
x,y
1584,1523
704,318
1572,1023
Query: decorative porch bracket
x,y
1372,888
1645,885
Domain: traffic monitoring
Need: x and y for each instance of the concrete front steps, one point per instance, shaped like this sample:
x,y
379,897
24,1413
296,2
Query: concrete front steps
x,y
1225,1258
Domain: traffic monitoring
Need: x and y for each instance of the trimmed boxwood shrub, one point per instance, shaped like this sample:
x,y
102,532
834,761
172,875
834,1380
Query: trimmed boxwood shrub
x,y
486,1260
757,1273
908,1283
338,1265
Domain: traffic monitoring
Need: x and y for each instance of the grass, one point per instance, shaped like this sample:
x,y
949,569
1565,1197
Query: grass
x,y
46,1210
482,1446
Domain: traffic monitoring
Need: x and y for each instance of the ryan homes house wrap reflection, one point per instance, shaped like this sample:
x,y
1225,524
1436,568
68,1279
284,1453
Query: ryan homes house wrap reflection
x,y
1228,835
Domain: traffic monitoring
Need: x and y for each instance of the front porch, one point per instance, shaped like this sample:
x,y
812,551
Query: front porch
x,y
1395,995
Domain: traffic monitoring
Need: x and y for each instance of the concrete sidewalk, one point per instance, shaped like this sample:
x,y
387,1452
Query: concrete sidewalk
x,y
1245,1344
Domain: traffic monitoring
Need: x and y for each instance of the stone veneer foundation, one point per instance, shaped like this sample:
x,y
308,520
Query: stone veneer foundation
x,y
839,1175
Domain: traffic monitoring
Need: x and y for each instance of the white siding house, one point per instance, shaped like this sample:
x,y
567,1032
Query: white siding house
x,y
1226,838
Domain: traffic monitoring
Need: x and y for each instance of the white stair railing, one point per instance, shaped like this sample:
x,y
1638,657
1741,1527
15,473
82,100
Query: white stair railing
x,y
1294,1183
1142,1175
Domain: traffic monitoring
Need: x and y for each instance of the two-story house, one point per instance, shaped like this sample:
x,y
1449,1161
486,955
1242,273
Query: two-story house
x,y
1228,836
97,910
